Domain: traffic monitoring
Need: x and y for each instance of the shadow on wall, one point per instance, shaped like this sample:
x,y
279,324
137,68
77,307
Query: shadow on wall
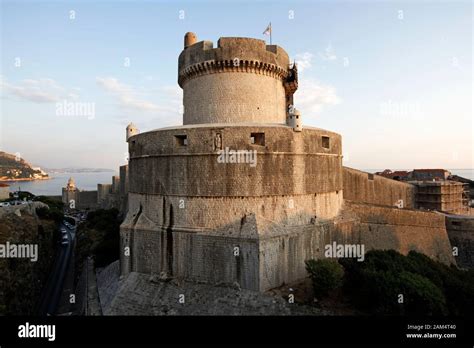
x,y
461,234
403,230
259,254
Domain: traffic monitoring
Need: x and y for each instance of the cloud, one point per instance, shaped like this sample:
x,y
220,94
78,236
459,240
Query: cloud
x,y
113,85
129,97
167,108
328,54
303,60
37,91
312,96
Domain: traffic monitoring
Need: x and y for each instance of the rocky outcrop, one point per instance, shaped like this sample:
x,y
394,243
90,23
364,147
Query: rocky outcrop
x,y
21,279
15,168
141,294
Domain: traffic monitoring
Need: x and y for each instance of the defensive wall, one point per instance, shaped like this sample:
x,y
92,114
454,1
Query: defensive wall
x,y
461,234
365,187
254,221
403,230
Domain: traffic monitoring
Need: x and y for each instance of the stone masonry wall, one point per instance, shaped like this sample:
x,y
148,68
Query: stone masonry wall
x,y
363,187
246,97
289,163
198,240
403,230
461,234
241,80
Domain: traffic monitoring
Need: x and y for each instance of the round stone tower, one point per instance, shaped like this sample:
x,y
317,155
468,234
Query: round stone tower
x,y
71,184
241,80
240,191
70,193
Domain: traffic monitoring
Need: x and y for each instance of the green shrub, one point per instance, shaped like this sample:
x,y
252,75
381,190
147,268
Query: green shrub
x,y
106,252
456,284
43,212
421,296
428,287
50,214
51,202
326,275
100,236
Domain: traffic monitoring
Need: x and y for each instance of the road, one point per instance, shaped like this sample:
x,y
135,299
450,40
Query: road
x,y
53,288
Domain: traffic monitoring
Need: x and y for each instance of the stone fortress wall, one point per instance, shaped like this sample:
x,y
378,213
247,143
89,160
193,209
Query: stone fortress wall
x,y
193,217
287,163
106,196
461,234
365,187
79,199
384,227
241,80
195,210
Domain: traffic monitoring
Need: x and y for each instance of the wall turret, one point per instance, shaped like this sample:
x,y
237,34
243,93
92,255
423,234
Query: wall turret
x,y
294,119
189,39
131,131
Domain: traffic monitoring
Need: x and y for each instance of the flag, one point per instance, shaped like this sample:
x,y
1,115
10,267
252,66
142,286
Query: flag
x,y
268,31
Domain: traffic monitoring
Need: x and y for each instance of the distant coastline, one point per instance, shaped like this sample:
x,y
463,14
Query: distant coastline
x,y
86,181
78,170
52,172
3,179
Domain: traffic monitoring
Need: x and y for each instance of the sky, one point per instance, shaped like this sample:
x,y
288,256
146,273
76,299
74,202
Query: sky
x,y
394,78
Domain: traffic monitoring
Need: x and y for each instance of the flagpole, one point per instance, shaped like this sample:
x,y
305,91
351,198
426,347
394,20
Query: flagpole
x,y
270,33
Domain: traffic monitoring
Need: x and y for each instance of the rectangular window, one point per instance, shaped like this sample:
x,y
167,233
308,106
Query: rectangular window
x,y
181,140
325,142
257,139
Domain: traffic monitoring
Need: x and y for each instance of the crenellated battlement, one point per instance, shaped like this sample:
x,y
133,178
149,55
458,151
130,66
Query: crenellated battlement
x,y
233,52
235,65
239,74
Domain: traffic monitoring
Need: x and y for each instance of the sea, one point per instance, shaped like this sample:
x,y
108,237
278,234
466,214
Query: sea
x,y
465,173
89,181
53,186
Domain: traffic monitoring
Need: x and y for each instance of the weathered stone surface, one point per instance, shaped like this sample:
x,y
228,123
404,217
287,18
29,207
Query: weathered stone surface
x,y
21,280
107,284
290,163
461,234
403,230
188,213
362,187
137,295
241,80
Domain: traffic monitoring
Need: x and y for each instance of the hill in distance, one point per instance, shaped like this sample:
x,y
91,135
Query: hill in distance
x,y
15,168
